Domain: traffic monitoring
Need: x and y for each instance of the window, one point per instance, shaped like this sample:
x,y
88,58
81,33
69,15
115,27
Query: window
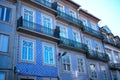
x,y
4,41
28,16
48,52
66,63
5,13
108,51
104,74
87,42
97,46
116,57
2,75
93,71
27,50
63,31
72,13
81,66
47,21
84,21
76,36
93,26
60,7
114,76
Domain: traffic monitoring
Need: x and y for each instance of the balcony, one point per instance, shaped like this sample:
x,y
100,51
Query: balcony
x,y
92,32
63,16
109,41
115,66
37,30
44,5
97,55
72,45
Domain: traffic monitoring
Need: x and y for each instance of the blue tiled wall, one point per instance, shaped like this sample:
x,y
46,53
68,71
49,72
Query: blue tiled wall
x,y
37,69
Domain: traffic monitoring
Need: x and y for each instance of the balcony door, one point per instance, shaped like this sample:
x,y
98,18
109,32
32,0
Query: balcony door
x,y
47,24
28,17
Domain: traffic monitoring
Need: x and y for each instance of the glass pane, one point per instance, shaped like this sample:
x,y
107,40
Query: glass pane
x,y
30,54
2,75
2,12
46,54
4,43
24,50
7,18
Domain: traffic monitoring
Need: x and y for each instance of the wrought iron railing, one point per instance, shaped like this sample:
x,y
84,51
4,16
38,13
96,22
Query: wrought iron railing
x,y
73,44
48,4
92,31
114,65
97,55
69,18
25,24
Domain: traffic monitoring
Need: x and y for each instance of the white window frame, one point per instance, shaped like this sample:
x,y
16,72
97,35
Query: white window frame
x,y
95,71
73,13
93,26
83,61
53,51
30,9
103,68
63,7
66,31
89,43
78,35
67,63
34,48
47,16
84,20
97,46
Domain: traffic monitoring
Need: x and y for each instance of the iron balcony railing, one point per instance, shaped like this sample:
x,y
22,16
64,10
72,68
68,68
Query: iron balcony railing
x,y
109,41
97,55
73,44
92,32
69,18
48,4
114,65
21,23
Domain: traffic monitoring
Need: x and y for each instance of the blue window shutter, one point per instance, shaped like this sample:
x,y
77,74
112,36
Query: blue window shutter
x,y
88,22
38,17
2,13
7,15
93,44
66,10
70,33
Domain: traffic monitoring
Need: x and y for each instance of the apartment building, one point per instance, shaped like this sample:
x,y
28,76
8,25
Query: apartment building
x,y
7,32
112,48
52,40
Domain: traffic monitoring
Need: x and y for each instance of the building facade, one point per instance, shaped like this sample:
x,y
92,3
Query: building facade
x,y
7,33
54,40
112,48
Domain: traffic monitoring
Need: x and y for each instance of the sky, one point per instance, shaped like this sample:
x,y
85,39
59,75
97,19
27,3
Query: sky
x,y
106,10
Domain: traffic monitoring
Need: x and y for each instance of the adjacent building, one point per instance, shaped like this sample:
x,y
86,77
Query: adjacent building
x,y
55,40
112,48
7,33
